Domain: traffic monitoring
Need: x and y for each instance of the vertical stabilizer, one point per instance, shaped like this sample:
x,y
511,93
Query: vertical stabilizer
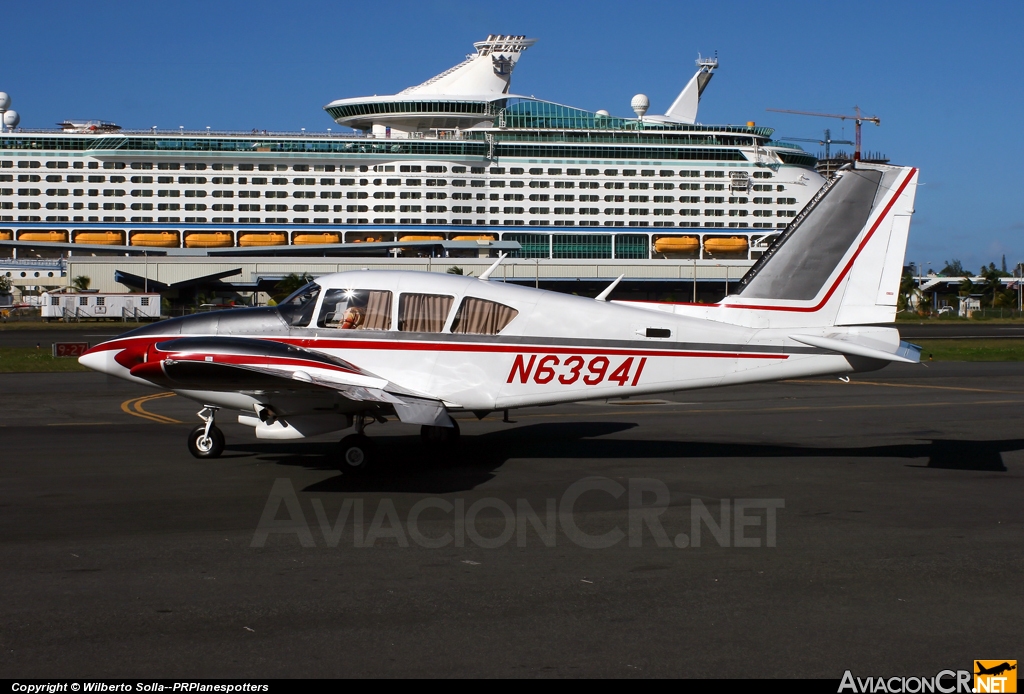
x,y
840,261
684,108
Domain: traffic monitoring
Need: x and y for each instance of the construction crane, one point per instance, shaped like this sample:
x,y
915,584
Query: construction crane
x,y
857,119
828,141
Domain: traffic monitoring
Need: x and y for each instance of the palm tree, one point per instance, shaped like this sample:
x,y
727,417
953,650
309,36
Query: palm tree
x,y
81,283
992,291
907,291
289,284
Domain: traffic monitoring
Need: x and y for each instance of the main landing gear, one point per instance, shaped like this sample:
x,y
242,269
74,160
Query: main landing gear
x,y
440,437
356,451
206,440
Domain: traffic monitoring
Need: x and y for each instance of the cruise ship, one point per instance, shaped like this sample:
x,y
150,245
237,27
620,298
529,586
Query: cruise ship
x,y
457,165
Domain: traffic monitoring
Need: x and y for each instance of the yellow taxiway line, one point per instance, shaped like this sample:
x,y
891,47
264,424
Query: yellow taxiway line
x,y
135,409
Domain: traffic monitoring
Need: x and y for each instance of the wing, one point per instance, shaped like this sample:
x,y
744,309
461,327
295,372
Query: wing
x,y
271,368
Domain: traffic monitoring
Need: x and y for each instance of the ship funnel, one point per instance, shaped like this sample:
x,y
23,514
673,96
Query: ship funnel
x,y
684,108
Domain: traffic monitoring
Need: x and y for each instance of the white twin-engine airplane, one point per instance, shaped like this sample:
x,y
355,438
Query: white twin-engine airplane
x,y
357,347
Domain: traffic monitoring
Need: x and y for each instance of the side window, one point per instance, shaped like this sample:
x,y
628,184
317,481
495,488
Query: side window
x,y
482,317
423,313
356,309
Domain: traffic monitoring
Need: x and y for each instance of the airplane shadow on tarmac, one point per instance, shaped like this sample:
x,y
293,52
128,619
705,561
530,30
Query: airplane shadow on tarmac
x,y
403,464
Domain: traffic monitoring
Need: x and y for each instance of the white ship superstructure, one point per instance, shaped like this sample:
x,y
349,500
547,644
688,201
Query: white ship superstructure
x,y
458,158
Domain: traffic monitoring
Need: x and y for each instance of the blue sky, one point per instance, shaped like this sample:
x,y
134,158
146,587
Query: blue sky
x,y
945,77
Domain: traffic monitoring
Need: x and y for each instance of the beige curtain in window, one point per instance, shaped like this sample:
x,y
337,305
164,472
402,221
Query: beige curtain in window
x,y
423,313
482,317
378,311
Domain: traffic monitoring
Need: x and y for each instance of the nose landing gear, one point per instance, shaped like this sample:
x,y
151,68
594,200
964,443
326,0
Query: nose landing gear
x,y
206,440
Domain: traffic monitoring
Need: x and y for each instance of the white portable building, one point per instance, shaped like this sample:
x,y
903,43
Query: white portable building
x,y
94,305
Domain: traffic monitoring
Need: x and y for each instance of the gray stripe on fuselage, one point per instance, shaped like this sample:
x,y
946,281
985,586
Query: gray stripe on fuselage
x,y
526,340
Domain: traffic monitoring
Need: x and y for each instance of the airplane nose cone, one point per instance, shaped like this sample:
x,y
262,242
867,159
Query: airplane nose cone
x,y
97,360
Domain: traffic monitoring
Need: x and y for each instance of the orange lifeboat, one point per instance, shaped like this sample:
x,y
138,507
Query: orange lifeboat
x,y
100,238
676,244
428,237
6,235
209,239
44,236
726,244
313,239
263,239
474,237
158,239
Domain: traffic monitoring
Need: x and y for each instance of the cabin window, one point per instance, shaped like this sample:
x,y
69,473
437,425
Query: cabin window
x,y
356,309
423,313
482,317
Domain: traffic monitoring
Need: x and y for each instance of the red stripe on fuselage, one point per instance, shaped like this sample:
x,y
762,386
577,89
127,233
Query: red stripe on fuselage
x,y
401,345
418,346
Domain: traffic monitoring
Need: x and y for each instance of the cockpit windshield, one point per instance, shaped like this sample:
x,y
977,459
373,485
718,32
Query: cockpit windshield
x,y
297,309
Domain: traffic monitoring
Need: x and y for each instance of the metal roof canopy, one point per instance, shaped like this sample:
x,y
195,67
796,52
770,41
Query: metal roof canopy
x,y
212,280
323,250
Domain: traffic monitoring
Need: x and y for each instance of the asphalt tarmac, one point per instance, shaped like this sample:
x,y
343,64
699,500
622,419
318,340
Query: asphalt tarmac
x,y
893,504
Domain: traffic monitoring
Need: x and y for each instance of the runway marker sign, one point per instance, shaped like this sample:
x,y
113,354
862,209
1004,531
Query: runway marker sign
x,y
70,349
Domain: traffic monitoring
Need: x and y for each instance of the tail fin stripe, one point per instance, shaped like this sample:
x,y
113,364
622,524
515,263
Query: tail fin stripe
x,y
846,269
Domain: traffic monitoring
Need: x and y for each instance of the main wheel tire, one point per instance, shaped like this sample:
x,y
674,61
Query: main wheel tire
x,y
440,436
356,453
202,446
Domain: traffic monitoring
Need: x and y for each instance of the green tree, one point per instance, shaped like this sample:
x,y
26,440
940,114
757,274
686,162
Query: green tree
x,y
994,294
953,268
5,284
456,270
81,283
908,289
290,284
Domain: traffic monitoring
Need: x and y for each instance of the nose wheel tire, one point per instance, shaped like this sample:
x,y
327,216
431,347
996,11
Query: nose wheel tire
x,y
440,437
202,446
356,453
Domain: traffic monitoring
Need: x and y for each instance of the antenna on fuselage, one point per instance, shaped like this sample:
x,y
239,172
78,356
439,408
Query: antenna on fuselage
x,y
603,296
487,273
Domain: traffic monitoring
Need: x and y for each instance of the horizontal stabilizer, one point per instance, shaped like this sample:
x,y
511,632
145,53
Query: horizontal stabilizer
x,y
904,352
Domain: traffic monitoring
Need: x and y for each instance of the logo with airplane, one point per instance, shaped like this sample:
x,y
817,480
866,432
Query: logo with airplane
x,y
354,349
995,676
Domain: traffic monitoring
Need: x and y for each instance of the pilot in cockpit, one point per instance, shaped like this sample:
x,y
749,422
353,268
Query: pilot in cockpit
x,y
353,318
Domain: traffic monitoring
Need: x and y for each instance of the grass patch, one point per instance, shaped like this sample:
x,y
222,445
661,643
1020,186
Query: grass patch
x,y
32,360
971,350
